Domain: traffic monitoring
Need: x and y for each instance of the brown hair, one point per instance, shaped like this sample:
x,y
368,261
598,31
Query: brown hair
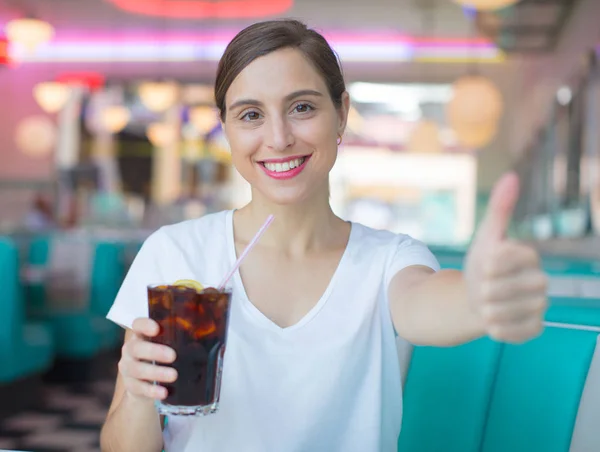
x,y
262,38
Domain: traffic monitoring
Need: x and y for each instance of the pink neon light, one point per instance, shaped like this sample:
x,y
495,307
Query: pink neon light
x,y
197,9
225,37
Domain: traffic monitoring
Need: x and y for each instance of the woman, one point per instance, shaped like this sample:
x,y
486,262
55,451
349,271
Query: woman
x,y
311,362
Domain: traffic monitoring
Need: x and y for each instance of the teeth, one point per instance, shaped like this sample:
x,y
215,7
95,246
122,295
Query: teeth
x,y
286,166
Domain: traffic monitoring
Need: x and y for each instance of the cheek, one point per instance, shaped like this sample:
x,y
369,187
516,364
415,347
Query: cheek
x,y
242,144
321,134
243,147
240,157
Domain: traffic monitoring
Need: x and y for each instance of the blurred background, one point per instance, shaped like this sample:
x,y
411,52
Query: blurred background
x,y
109,131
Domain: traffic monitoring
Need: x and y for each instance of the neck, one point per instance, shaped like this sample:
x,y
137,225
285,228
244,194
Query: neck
x,y
309,225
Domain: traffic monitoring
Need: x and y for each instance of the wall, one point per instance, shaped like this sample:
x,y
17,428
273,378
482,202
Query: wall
x,y
16,103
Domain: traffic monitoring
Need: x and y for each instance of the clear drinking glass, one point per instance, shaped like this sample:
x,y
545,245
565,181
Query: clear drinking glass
x,y
195,325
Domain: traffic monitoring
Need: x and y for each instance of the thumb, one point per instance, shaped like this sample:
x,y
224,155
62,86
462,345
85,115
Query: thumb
x,y
505,195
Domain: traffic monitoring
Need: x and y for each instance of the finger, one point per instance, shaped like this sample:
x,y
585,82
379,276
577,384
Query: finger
x,y
147,351
517,286
148,372
500,209
515,311
517,333
510,258
143,389
145,327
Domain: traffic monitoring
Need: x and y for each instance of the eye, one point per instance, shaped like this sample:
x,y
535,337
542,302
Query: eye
x,y
303,108
250,116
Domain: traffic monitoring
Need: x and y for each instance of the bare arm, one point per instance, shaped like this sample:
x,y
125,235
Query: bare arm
x,y
431,308
502,291
132,423
503,296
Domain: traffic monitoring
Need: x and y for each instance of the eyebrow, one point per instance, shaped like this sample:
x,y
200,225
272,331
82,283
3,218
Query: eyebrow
x,y
289,97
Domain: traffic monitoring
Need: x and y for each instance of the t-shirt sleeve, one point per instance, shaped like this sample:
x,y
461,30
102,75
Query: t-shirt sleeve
x,y
132,299
409,252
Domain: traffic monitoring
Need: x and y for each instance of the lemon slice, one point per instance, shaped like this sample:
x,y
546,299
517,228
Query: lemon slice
x,y
190,283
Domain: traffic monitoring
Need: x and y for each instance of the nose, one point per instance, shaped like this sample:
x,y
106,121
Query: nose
x,y
279,135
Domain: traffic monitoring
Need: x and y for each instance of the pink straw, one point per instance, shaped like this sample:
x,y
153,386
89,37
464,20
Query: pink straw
x,y
253,242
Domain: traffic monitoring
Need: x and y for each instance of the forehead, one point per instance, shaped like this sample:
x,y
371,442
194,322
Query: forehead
x,y
275,75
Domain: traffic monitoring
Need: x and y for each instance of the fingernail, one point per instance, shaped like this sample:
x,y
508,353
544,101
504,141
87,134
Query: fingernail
x,y
171,374
170,355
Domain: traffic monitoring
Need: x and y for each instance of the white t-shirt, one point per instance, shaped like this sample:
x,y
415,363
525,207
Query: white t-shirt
x,y
329,383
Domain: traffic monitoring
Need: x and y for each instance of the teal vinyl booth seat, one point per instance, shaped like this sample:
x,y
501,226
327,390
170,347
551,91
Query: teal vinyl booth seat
x,y
26,348
486,396
491,397
83,331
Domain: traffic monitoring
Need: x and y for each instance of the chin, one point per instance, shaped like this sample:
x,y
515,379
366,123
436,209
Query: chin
x,y
286,196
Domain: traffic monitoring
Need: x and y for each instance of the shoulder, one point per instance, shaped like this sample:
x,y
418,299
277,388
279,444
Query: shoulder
x,y
397,250
207,223
383,238
187,233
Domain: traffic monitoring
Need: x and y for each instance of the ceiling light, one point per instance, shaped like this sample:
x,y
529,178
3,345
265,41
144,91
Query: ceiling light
x,y
425,138
29,33
161,134
158,96
51,96
36,136
486,5
204,118
564,95
114,118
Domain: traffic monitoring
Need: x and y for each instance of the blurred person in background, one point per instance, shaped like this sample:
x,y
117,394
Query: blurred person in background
x,y
311,361
40,216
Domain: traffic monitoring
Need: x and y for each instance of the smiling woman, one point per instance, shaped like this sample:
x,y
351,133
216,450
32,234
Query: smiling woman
x,y
311,361
284,105
270,124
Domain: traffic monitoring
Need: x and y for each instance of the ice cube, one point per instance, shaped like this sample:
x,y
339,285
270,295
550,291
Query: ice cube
x,y
183,323
166,300
206,327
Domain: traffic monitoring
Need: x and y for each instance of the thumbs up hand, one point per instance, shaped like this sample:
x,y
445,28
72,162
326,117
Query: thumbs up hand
x,y
505,284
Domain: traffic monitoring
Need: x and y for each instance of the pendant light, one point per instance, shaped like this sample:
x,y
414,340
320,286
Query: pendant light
x,y
486,5
51,96
29,33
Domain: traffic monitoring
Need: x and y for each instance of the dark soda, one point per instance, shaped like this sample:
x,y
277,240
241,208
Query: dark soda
x,y
194,324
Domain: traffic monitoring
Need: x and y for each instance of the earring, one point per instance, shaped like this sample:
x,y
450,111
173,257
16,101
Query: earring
x,y
339,140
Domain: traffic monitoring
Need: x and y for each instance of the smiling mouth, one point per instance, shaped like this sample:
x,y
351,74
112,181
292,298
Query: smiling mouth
x,y
282,167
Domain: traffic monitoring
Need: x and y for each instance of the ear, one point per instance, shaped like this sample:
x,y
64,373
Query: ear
x,y
221,117
343,113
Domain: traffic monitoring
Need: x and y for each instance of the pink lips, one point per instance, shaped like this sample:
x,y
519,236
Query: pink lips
x,y
283,175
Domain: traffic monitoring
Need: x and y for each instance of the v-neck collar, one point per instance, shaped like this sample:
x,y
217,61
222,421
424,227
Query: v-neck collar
x,y
257,314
